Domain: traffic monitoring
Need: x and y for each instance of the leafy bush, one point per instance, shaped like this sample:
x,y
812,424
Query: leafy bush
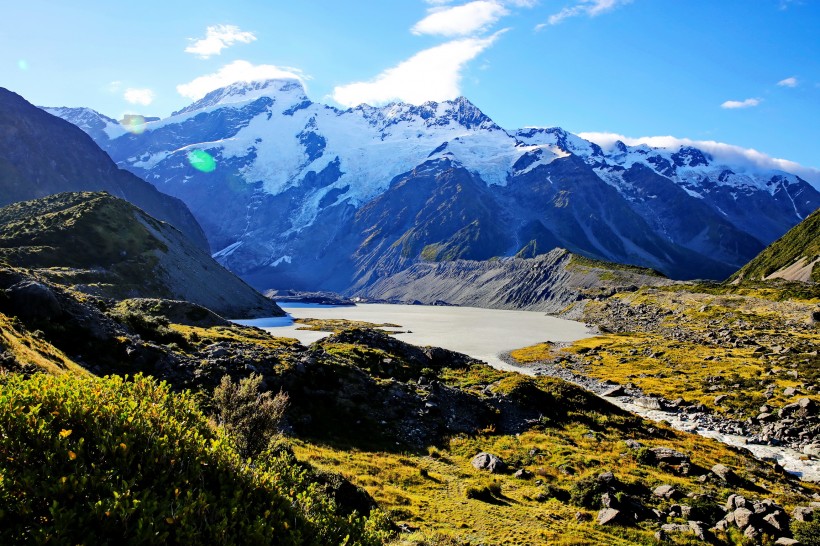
x,y
250,416
587,492
807,532
86,460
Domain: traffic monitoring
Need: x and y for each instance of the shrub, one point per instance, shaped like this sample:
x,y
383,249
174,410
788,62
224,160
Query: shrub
x,y
250,416
587,492
807,532
87,460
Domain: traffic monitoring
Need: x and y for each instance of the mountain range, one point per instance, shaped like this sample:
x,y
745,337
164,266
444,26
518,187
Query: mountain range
x,y
302,195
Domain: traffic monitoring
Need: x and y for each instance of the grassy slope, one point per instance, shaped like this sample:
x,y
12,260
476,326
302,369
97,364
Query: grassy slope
x,y
802,241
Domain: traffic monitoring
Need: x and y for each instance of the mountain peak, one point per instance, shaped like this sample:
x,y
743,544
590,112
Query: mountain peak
x,y
243,91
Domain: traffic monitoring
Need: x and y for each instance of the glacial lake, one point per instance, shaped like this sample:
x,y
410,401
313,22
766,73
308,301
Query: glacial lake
x,y
481,333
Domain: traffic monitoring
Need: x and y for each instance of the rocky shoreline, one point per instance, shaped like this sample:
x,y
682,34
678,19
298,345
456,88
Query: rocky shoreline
x,y
792,453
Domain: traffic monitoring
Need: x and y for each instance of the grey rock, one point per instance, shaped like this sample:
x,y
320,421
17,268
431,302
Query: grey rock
x,y
665,491
523,474
743,517
614,391
698,529
724,472
633,444
608,516
649,403
489,462
669,456
786,541
803,513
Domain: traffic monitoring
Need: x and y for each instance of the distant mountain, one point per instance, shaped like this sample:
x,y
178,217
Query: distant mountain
x,y
551,282
103,245
41,154
307,196
794,257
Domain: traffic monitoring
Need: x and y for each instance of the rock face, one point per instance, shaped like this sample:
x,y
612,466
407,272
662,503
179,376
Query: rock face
x,y
105,246
306,196
41,154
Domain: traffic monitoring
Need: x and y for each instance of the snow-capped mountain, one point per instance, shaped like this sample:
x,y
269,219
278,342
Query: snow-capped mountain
x,y
305,195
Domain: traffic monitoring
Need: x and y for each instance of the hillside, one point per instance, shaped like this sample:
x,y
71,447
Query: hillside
x,y
41,154
553,282
103,245
301,195
793,257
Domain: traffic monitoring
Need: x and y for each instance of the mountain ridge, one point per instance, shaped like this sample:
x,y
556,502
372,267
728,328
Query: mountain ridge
x,y
297,179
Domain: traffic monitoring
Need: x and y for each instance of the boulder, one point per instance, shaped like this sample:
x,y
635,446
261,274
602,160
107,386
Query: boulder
x,y
669,456
489,462
743,517
803,513
608,516
785,541
724,473
665,491
698,530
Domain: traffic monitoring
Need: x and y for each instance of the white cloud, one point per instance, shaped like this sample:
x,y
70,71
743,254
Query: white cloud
x,y
432,74
590,8
788,82
461,20
237,71
733,104
217,38
719,150
143,97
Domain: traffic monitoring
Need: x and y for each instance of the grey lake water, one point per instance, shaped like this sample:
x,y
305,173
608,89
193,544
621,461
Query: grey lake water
x,y
485,334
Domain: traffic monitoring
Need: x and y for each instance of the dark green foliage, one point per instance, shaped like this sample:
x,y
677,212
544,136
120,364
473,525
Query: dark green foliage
x,y
807,532
110,461
250,416
587,492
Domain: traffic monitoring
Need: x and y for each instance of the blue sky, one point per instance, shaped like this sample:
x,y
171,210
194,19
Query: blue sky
x,y
742,72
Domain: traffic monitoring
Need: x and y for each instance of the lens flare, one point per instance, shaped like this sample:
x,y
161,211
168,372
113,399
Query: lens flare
x,y
133,123
22,64
201,161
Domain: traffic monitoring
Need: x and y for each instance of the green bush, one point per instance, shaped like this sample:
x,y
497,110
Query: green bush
x,y
587,492
101,461
250,416
807,532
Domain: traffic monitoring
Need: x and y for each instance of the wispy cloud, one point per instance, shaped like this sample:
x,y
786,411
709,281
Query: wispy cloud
x,y
720,151
461,20
788,82
734,104
590,8
217,38
143,97
432,74
237,71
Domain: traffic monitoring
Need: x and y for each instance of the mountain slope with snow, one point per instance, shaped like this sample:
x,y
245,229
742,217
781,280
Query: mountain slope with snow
x,y
304,195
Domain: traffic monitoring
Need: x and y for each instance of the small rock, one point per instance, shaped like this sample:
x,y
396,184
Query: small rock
x,y
785,541
633,444
721,399
523,474
698,530
803,513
